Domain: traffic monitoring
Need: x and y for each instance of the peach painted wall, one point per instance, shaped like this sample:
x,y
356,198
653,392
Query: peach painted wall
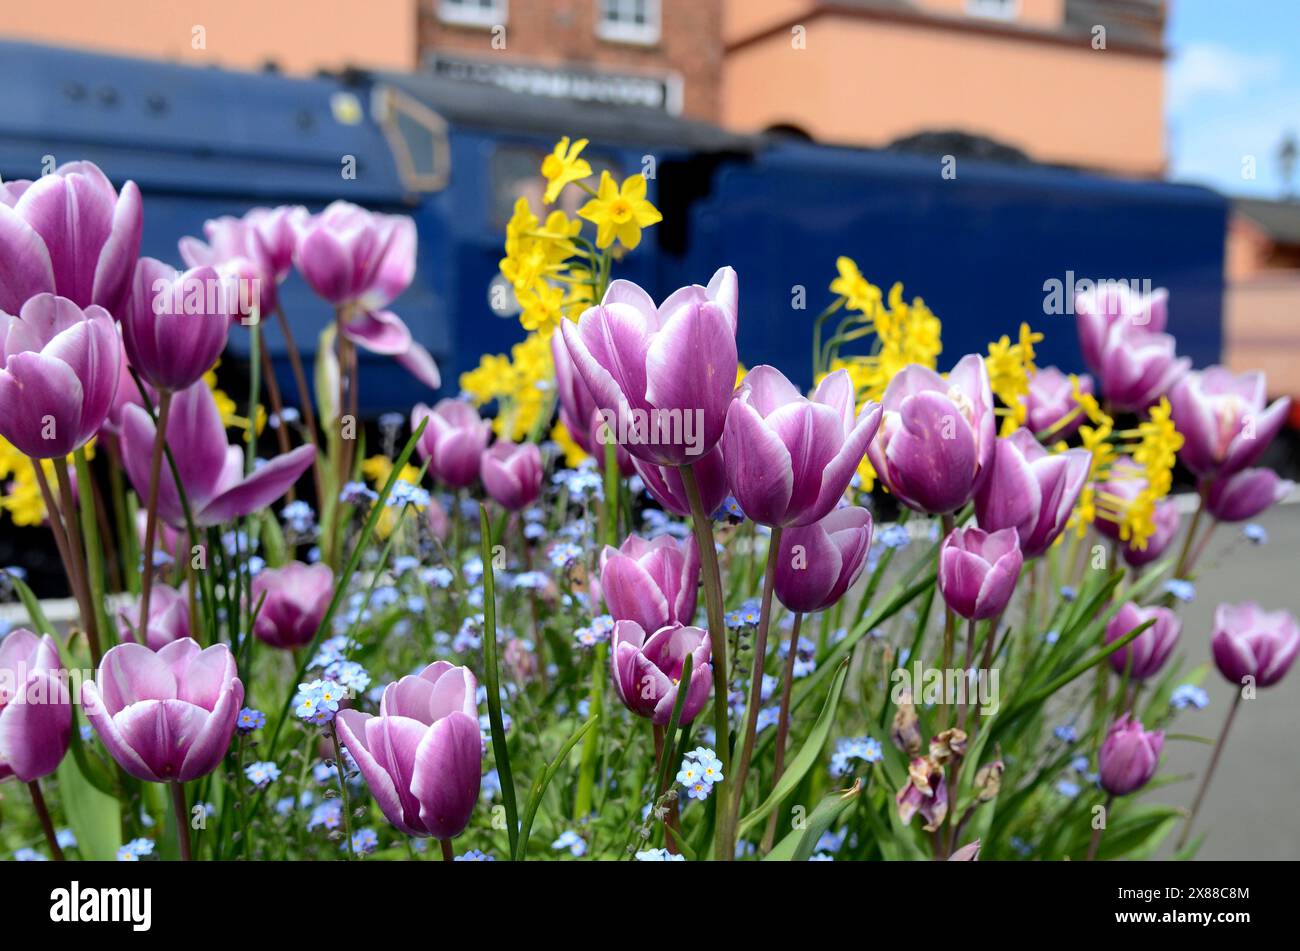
x,y
300,35
867,81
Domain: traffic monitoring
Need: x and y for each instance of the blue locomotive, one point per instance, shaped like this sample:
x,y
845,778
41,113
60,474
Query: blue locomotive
x,y
988,244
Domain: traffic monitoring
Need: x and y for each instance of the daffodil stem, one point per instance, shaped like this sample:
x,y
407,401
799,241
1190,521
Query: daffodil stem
x,y
151,509
755,686
703,529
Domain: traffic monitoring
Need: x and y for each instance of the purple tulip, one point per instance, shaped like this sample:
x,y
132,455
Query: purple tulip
x,y
653,583
174,326
296,598
59,368
453,441
211,470
1031,490
936,438
71,234
978,571
1250,642
257,247
819,562
578,410
169,617
1150,649
360,261
1138,367
165,716
789,458
422,757
1224,421
664,483
512,473
647,670
1245,494
1050,400
35,709
1166,519
1129,756
661,376
1100,308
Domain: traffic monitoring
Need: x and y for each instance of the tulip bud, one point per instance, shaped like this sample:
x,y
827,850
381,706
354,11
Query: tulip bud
x,y
297,596
1224,420
453,440
978,571
175,325
648,671
35,710
1031,490
165,716
169,617
1100,307
789,459
1050,400
967,853
1251,643
936,437
422,757
1166,520
1129,756
59,370
1138,366
512,473
653,583
664,374
1143,656
821,561
1245,494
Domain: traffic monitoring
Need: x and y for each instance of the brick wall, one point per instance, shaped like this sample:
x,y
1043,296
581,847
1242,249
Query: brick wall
x,y
563,32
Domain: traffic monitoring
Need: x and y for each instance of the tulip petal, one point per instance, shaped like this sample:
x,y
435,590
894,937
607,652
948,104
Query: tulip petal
x,y
352,727
759,468
260,489
25,266
110,734
448,771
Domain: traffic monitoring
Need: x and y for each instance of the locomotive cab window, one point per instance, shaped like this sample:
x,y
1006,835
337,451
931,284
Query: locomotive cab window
x,y
418,137
516,172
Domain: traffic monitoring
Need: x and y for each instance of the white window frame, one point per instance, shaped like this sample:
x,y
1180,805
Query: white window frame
x,y
994,9
463,13
620,31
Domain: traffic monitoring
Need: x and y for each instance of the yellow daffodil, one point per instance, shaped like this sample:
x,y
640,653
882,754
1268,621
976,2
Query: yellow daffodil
x,y
620,212
563,166
573,453
857,291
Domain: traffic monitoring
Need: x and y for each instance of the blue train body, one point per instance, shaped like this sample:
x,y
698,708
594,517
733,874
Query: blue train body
x,y
981,247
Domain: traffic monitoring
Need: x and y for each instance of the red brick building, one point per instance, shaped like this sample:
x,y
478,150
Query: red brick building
x,y
662,53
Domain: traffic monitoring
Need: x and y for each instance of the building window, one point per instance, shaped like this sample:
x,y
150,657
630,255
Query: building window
x,y
628,21
472,12
994,9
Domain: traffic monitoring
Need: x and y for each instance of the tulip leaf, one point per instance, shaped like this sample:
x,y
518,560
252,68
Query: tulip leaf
x,y
798,846
806,757
92,814
544,780
500,747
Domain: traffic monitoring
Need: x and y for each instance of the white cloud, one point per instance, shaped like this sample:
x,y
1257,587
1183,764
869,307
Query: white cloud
x,y
1206,69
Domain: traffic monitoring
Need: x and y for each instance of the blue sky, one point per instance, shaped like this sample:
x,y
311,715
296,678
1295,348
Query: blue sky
x,y
1233,90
